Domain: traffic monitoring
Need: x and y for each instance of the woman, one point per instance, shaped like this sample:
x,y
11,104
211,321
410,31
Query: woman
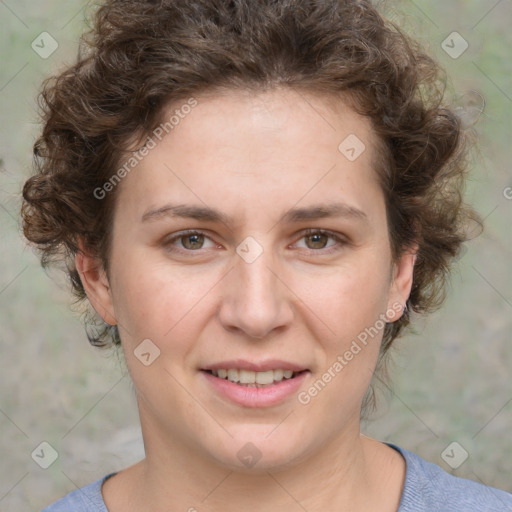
x,y
252,196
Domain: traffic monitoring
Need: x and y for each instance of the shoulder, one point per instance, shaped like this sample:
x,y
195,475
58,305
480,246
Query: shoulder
x,y
428,487
85,499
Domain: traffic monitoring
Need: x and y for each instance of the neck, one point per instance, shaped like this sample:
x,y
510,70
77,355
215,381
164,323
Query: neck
x,y
344,475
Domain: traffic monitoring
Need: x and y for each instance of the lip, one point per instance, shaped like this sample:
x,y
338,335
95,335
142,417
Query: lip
x,y
251,396
262,366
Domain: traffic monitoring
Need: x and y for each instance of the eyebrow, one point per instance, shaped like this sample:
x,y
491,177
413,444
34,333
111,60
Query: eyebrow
x,y
207,214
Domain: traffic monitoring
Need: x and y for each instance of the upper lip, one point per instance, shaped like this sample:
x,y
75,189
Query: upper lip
x,y
261,366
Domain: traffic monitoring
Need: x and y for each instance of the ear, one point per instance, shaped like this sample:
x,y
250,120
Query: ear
x,y
401,281
95,282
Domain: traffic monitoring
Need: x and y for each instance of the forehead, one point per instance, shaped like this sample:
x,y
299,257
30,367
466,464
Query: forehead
x,y
276,118
240,149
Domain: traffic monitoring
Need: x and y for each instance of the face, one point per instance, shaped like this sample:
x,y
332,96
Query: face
x,y
249,242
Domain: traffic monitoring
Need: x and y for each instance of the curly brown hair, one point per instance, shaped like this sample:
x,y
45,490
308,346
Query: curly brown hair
x,y
141,55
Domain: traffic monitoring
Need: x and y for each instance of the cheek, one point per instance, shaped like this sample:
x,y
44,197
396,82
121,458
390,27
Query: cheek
x,y
351,304
158,301
350,298
155,299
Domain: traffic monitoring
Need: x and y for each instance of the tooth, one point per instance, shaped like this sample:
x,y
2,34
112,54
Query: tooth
x,y
233,375
247,377
265,377
278,375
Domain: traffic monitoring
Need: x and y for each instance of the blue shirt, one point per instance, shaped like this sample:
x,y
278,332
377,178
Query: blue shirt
x,y
427,488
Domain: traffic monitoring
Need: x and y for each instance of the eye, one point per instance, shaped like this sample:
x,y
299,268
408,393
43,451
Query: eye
x,y
317,239
189,241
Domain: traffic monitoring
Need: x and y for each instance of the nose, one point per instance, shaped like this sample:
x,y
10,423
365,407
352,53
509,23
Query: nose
x,y
255,301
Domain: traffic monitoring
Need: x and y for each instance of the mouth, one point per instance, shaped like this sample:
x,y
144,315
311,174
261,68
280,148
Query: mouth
x,y
254,379
255,384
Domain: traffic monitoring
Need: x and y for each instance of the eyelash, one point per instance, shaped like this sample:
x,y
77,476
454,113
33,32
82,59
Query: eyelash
x,y
308,232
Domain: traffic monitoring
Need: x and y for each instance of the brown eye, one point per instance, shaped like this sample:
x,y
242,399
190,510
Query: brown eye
x,y
317,240
321,242
188,242
192,241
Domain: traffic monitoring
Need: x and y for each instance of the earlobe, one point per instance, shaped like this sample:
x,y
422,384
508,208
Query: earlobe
x,y
96,284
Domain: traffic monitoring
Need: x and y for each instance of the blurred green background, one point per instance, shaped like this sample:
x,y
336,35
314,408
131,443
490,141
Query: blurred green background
x,y
451,377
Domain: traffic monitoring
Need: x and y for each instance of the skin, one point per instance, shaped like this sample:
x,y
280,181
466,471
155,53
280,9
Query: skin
x,y
304,300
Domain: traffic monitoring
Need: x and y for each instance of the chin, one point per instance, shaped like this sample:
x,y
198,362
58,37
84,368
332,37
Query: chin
x,y
259,450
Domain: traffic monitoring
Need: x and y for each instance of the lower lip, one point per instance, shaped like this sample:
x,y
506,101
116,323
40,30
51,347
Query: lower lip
x,y
251,396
